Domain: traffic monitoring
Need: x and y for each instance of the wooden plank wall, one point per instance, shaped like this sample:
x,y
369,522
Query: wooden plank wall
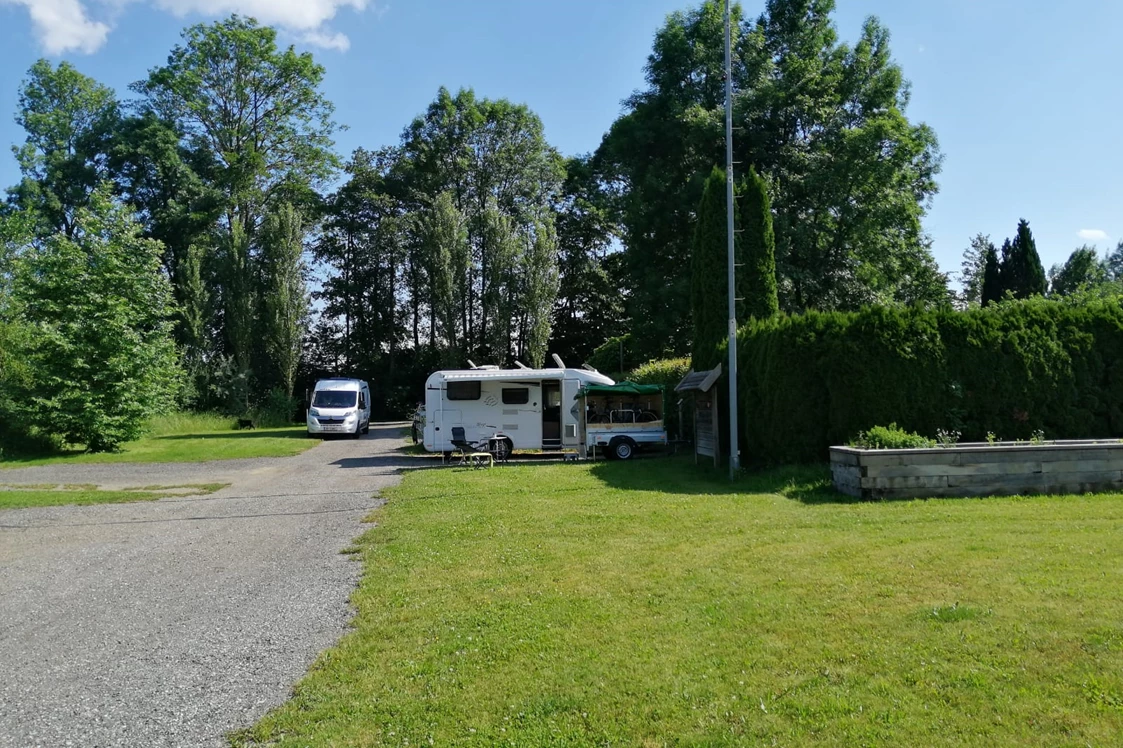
x,y
978,471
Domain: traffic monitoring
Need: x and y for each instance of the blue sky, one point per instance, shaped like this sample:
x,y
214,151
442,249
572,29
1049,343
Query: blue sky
x,y
1024,96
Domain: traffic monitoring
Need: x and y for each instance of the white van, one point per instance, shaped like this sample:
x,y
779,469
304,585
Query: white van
x,y
526,408
339,406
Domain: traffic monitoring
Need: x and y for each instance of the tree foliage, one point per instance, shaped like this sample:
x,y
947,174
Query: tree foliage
x,y
759,241
709,291
824,122
1082,270
66,116
973,270
100,357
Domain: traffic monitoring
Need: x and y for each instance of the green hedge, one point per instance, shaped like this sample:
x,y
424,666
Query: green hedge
x,y
667,372
817,379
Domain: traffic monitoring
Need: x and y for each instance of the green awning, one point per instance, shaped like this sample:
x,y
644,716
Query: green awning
x,y
621,388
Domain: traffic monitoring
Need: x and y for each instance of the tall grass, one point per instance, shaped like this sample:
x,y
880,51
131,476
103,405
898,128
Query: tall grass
x,y
189,423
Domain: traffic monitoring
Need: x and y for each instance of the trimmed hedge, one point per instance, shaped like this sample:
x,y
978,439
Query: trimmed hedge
x,y
818,379
667,372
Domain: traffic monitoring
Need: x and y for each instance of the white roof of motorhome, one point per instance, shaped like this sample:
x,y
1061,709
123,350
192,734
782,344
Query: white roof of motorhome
x,y
519,375
339,383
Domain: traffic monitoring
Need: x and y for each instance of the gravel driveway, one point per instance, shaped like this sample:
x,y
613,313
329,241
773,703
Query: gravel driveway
x,y
170,623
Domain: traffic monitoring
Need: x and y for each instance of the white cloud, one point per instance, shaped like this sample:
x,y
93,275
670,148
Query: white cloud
x,y
1092,235
64,25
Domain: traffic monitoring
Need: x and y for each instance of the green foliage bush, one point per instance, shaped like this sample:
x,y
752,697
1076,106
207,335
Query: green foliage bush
x,y
606,357
817,379
891,437
667,372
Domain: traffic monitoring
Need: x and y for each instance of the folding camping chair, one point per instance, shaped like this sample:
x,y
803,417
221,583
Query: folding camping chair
x,y
468,454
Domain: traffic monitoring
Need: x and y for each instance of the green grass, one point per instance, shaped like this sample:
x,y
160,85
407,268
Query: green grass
x,y
185,437
652,604
20,497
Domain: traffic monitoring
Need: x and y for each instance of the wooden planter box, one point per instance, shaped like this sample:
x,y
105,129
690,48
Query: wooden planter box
x,y
979,469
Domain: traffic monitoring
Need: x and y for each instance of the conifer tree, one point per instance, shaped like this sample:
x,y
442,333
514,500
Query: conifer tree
x,y
708,273
757,281
992,280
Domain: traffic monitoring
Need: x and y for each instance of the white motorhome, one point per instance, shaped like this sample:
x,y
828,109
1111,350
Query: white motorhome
x,y
529,408
339,406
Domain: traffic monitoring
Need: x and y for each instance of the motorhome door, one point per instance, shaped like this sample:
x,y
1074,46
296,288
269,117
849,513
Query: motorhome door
x,y
571,419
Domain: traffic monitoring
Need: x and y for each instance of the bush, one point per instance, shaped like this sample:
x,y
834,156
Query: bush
x,y
667,372
890,437
278,410
817,379
606,357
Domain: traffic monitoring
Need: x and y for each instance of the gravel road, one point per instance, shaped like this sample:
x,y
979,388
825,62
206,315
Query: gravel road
x,y
171,623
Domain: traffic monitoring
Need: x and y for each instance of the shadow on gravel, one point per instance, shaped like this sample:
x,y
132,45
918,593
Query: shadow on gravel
x,y
397,462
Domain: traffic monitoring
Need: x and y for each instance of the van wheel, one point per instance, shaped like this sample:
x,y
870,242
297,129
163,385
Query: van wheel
x,y
366,429
622,448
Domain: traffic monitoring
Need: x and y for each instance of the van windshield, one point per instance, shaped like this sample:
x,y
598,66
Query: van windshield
x,y
334,399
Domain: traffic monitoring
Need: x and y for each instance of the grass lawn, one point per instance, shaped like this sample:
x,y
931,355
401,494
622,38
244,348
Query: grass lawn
x,y
186,437
21,497
650,604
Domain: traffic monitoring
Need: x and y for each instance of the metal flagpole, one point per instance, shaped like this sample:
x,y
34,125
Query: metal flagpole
x,y
734,452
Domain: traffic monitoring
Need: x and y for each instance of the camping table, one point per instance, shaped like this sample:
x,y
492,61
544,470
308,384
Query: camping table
x,y
497,448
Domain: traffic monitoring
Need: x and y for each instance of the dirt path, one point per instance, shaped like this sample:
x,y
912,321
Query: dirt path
x,y
173,622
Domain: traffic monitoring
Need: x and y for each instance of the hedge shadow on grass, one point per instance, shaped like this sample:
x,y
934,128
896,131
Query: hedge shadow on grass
x,y
808,484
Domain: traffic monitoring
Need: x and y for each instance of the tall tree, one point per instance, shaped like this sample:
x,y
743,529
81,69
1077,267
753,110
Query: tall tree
x,y
591,291
493,158
284,293
257,130
972,273
446,241
824,122
67,117
1113,263
708,277
1082,271
759,248
540,291
991,288
102,359
1022,273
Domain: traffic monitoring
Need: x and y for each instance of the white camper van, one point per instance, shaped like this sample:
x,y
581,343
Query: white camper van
x,y
339,406
529,408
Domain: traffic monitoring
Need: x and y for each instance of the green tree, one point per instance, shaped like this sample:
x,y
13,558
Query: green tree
x,y
539,291
493,159
1113,263
708,282
284,294
446,241
1082,271
823,122
256,129
102,359
759,248
589,309
67,117
1022,273
991,288
973,268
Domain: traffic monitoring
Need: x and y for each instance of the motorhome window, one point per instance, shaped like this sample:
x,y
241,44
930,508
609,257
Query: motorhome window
x,y
334,399
362,400
516,395
463,390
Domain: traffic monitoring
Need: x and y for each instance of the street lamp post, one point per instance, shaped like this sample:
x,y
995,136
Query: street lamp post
x,y
734,452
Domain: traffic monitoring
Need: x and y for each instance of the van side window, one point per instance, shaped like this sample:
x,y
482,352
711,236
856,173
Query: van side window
x,y
463,391
362,401
516,395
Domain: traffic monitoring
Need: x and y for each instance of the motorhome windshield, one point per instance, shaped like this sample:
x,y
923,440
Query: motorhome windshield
x,y
334,399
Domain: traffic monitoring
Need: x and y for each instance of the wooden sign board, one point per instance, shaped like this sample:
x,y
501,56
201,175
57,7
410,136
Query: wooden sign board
x,y
706,426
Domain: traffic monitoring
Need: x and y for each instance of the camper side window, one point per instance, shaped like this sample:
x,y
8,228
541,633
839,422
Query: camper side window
x,y
362,401
516,395
463,391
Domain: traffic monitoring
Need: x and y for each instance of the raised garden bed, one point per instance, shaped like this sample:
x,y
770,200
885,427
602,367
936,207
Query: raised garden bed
x,y
979,469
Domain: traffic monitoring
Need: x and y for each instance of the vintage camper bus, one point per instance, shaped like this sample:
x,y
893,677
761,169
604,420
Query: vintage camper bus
x,y
528,408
